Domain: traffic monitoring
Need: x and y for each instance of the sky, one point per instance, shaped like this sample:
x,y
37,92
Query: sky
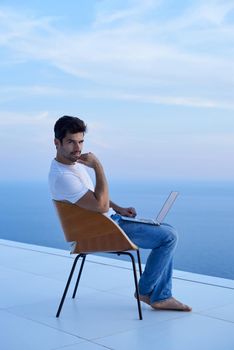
x,y
153,80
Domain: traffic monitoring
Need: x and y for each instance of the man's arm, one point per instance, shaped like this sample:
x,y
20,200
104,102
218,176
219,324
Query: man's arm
x,y
123,211
99,199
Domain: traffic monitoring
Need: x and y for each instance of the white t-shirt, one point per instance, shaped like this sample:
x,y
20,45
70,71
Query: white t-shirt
x,y
70,182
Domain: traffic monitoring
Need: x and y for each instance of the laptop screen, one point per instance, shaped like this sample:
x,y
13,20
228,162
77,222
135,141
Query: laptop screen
x,y
166,206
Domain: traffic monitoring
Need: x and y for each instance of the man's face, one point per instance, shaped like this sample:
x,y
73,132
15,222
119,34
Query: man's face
x,y
69,150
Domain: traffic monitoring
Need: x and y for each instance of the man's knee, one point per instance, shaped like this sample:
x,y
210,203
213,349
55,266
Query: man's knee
x,y
171,235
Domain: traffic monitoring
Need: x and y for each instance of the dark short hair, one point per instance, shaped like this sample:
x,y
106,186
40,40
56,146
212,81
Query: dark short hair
x,y
67,124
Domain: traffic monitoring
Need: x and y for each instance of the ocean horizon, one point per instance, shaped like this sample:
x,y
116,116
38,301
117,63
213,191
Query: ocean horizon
x,y
202,214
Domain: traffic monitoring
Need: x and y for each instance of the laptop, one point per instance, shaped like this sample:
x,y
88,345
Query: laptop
x,y
161,215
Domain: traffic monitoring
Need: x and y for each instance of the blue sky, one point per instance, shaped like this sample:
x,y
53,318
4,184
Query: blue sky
x,y
153,79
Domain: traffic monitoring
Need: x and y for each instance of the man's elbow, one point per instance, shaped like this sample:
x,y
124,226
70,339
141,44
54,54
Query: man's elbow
x,y
91,202
103,208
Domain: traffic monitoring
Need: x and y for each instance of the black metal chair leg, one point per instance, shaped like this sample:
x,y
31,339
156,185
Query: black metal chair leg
x,y
79,275
139,261
135,280
67,285
80,272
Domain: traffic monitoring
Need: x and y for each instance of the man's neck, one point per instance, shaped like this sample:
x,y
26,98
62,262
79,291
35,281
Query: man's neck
x,y
63,160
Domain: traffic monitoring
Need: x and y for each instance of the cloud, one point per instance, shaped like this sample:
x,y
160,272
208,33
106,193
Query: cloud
x,y
9,93
134,9
173,100
37,119
214,11
175,61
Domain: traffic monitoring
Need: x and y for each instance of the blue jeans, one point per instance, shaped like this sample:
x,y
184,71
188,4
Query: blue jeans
x,y
156,280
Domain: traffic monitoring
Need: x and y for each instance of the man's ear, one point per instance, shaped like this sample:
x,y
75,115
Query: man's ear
x,y
57,143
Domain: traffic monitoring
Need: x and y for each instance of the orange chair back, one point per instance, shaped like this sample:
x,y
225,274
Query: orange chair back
x,y
92,231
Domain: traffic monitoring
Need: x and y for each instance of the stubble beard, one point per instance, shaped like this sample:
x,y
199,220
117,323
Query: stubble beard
x,y
73,157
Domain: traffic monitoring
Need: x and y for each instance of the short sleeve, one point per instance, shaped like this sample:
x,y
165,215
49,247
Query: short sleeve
x,y
69,187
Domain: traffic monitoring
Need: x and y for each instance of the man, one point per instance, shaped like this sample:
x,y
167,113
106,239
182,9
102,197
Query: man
x,y
69,181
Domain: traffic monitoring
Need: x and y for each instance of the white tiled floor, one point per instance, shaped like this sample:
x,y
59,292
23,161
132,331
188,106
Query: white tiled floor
x,y
104,313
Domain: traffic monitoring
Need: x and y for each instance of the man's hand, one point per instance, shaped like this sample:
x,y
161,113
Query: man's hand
x,y
89,159
131,212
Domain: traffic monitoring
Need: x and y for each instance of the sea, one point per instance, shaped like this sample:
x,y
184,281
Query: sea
x,y
203,214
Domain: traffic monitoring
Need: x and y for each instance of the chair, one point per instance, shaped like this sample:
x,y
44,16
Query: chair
x,y
92,232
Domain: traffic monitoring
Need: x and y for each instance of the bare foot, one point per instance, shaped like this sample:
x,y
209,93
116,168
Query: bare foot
x,y
170,304
143,298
